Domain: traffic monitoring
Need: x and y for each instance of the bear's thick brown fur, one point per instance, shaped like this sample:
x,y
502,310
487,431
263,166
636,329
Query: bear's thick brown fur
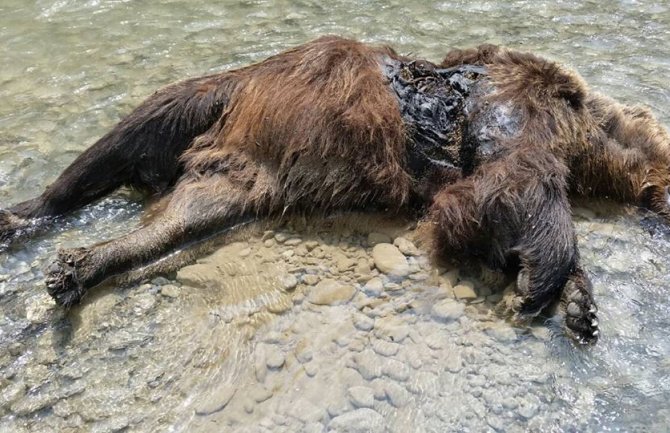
x,y
320,128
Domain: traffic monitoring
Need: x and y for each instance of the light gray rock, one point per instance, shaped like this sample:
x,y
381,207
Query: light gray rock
x,y
406,247
170,291
396,370
374,287
390,260
199,275
502,332
363,322
361,396
306,411
397,394
362,420
385,348
391,328
288,282
448,310
367,365
216,400
310,279
274,358
330,292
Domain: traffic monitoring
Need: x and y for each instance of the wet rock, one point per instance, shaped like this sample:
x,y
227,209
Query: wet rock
x,y
363,322
306,411
260,394
406,247
527,409
260,364
311,369
38,308
367,365
396,370
144,302
392,287
448,310
453,362
160,281
375,238
465,290
362,420
199,276
275,358
281,237
12,393
15,349
385,348
390,260
313,427
396,394
310,245
310,279
374,287
330,292
32,403
303,352
502,332
391,329
216,400
170,291
288,282
361,396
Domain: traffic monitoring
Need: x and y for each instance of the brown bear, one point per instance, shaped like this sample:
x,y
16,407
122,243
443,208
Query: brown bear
x,y
489,143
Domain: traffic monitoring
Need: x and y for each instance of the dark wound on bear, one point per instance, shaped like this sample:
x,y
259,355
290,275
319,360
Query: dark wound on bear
x,y
488,144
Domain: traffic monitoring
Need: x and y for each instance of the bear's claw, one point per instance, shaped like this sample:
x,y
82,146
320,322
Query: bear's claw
x,y
580,311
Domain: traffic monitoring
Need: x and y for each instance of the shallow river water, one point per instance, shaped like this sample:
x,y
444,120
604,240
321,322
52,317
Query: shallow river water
x,y
292,328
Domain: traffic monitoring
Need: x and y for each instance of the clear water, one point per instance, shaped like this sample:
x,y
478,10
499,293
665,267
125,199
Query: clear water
x,y
135,360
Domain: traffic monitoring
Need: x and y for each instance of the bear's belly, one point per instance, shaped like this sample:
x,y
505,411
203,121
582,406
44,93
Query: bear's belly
x,y
452,127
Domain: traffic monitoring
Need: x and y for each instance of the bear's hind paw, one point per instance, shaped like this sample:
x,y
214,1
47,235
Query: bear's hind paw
x,y
61,279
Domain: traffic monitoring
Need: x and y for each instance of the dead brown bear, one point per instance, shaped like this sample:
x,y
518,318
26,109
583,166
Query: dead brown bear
x,y
490,142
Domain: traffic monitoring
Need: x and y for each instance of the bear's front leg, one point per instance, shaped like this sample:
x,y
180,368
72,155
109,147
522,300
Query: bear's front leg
x,y
514,212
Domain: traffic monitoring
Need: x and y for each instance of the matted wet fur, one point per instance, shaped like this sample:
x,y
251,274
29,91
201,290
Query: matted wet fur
x,y
318,128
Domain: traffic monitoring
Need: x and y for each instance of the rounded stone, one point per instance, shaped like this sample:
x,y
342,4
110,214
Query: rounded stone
x,y
362,396
330,292
390,260
406,247
465,290
448,310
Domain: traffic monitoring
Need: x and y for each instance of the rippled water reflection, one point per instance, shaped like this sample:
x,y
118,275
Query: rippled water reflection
x,y
242,351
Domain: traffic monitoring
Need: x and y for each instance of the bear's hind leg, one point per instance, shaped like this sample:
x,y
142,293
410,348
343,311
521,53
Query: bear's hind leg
x,y
196,209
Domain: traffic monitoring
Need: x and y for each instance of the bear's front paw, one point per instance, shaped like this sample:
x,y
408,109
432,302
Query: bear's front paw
x,y
62,279
581,322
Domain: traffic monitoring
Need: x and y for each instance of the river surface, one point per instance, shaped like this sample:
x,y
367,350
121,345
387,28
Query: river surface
x,y
292,328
